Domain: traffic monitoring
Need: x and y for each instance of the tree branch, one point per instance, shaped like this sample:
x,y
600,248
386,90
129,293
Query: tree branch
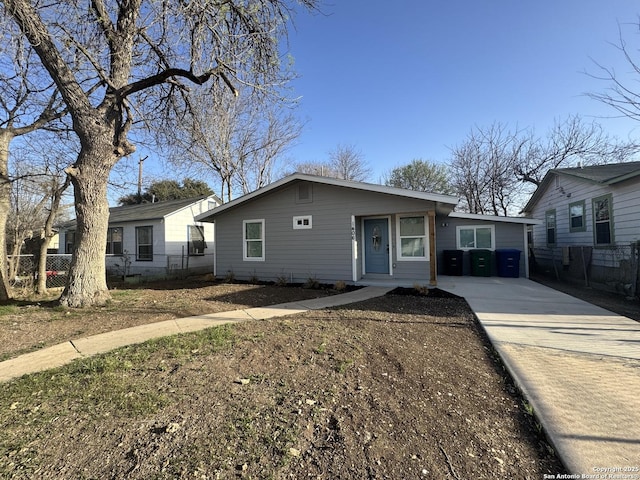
x,y
169,73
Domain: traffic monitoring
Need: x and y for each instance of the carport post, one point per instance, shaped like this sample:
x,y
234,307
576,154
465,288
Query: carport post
x,y
433,276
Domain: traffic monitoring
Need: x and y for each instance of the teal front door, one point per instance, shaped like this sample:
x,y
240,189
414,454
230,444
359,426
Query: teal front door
x,y
376,245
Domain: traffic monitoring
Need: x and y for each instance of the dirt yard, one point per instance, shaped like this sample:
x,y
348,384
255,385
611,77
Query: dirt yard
x,y
26,325
398,387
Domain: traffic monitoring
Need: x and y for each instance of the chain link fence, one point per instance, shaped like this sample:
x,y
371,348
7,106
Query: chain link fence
x,y
23,270
613,267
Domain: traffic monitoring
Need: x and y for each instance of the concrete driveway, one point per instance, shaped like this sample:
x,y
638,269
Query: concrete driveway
x,y
577,364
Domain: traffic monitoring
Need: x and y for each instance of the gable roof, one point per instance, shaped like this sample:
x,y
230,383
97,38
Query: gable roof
x,y
445,203
610,174
145,211
603,174
150,211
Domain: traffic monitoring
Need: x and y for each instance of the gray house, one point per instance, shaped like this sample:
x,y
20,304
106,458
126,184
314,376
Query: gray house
x,y
305,226
591,228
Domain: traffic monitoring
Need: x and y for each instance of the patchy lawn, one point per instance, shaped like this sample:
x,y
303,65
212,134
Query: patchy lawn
x,y
400,386
29,325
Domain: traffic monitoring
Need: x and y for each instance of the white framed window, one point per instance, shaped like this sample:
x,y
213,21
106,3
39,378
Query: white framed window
x,y
144,244
253,240
469,237
550,222
577,221
303,222
114,241
603,220
196,240
411,237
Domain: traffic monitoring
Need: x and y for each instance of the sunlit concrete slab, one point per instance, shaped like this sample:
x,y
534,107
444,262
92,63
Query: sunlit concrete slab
x,y
105,342
44,359
577,364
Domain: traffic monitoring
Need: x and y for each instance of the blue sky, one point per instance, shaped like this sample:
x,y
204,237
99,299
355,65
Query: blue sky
x,y
409,79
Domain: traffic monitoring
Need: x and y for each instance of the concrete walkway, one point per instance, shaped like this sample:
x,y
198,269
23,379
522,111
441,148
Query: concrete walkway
x,y
577,364
64,353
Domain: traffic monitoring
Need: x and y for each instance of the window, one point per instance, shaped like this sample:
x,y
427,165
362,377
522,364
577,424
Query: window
x,y
196,240
114,241
253,240
69,241
602,220
412,237
576,217
304,222
550,221
144,244
475,236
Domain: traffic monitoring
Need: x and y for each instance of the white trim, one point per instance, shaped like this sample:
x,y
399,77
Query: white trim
x,y
215,252
447,201
526,252
244,240
300,224
354,250
495,218
425,257
474,227
364,255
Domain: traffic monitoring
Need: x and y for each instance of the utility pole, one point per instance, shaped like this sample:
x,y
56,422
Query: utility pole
x,y
140,178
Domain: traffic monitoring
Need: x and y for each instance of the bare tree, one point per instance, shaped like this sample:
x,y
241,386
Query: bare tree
x,y
348,163
623,93
321,169
141,53
482,169
569,141
28,102
238,140
494,168
38,187
274,135
345,162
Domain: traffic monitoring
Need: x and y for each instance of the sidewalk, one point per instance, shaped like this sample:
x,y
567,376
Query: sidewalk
x,y
64,353
577,364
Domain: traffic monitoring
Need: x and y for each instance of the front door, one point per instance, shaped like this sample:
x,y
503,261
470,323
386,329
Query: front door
x,y
376,245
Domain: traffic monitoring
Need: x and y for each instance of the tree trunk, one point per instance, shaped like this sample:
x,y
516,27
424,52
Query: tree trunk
x,y
41,277
47,234
5,206
87,283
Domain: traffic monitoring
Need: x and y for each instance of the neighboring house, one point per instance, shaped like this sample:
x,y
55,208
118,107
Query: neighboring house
x,y
591,222
309,227
155,239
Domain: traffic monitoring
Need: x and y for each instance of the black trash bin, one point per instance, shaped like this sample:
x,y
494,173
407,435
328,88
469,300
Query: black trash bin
x,y
453,262
508,262
480,263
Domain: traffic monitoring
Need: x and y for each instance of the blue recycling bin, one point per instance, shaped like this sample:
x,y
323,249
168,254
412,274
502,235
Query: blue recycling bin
x,y
508,262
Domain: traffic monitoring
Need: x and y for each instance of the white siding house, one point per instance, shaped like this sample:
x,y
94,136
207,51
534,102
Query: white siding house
x,y
591,223
156,239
